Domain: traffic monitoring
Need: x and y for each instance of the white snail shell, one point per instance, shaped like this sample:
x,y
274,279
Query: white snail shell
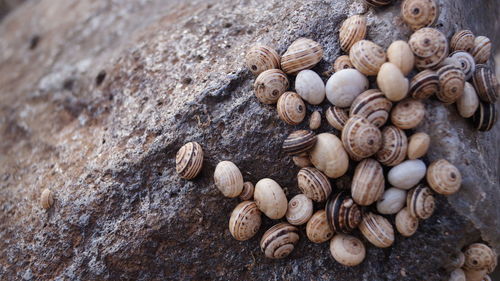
x,y
344,86
347,250
310,87
407,174
270,198
300,209
317,229
392,201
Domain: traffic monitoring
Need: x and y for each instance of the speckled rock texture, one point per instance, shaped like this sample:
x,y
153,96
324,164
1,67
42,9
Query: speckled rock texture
x,y
97,96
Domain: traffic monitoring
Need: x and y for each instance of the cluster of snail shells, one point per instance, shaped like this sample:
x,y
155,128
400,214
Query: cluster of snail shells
x,y
474,263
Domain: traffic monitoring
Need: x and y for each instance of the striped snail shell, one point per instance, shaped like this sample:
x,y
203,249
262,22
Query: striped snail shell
x,y
367,57
300,209
466,63
372,105
392,82
407,174
482,49
368,182
342,62
480,256
344,86
302,54
419,13
443,177
270,198
377,230
310,86
347,249
329,156
468,103
399,53
314,184
429,46
291,108
406,224
457,275
317,229
352,30
189,160
302,161
279,241
315,120
247,192
342,213
299,142
361,138
260,58
270,85
486,83
424,84
462,40
228,179
408,113
392,201
420,202
418,145
394,146
337,117
46,199
452,83
378,3
245,221
485,117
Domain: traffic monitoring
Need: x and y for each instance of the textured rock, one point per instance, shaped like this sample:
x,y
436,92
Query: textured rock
x,y
97,96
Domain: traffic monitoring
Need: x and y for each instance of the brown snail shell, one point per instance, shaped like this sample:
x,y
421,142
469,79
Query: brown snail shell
x,y
419,13
466,63
299,142
270,85
352,30
418,145
462,40
378,3
302,54
342,62
228,179
361,138
247,192
399,53
46,199
420,202
189,160
424,84
342,213
315,120
270,198
452,83
486,83
245,221
368,182
394,146
337,117
367,57
482,49
260,58
377,230
406,224
314,184
392,201
392,82
279,241
302,161
485,117
429,46
468,103
347,250
317,229
372,105
329,156
300,209
291,108
408,113
480,256
443,177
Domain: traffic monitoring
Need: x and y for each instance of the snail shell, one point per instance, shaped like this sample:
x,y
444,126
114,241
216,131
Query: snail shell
x,y
368,182
270,85
302,54
302,161
344,86
247,192
329,155
189,160
420,202
482,49
46,199
317,229
485,117
462,40
443,177
392,82
315,120
468,103
378,3
418,145
486,83
475,275
372,105
408,113
228,179
342,62
457,275
367,57
279,241
300,209
377,230
310,86
270,198
299,142
457,261
361,138
343,215
407,174
337,117
466,63
406,224
399,53
347,250
260,58
352,30
392,201
291,108
424,84
480,256
314,184
394,146
452,82
429,46
245,221
419,13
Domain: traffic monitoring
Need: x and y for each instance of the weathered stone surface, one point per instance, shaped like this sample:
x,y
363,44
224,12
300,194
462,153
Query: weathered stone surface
x,y
97,96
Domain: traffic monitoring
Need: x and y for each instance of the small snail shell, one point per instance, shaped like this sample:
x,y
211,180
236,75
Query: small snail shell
x,y
420,202
475,275
392,82
372,105
279,241
406,224
317,229
260,58
392,201
342,62
270,198
485,117
443,177
486,83
46,199
347,250
368,182
394,146
302,161
337,116
344,86
228,179
452,82
367,57
418,145
270,85
247,192
352,30
300,209
400,54
378,3
468,103
429,46
302,54
291,108
480,256
377,230
462,40
419,13
343,215
466,63
189,160
314,184
299,142
315,120
245,221
408,113
424,84
482,49
310,86
407,174
361,138
329,156
457,275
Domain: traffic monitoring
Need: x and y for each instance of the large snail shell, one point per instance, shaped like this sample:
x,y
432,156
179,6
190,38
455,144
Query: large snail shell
x,y
189,160
418,145
392,82
352,30
260,58
299,142
457,275
247,192
310,86
419,13
291,108
378,3
361,138
315,120
420,202
342,213
394,146
317,229
342,62
377,230
300,209
480,256
462,40
228,179
329,155
368,182
482,49
486,83
279,241
452,82
270,198
466,62
443,177
372,105
302,54
367,57
245,221
270,85
485,117
46,199
344,86
408,113
347,250
399,53
429,46
314,184
393,200
407,174
468,103
337,116
406,224
424,84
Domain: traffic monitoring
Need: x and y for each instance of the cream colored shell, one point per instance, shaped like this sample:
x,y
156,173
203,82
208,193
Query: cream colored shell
x,y
482,49
407,174
46,199
314,184
377,230
419,13
270,198
406,224
394,146
418,145
337,116
392,201
352,30
189,160
260,58
392,82
342,62
329,156
344,86
443,177
302,54
468,103
408,113
245,221
429,46
300,209
367,57
317,229
480,256
373,105
291,108
368,182
228,179
315,120
451,82
310,87
399,53
347,250
462,40
361,138
270,85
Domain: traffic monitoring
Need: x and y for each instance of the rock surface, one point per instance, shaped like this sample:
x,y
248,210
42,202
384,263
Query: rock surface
x,y
97,96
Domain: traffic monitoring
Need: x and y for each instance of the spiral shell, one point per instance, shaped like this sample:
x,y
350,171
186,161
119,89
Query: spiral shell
x,y
485,117
260,58
228,179
247,192
378,3
457,275
342,62
462,40
300,209
347,250
361,138
329,156
352,30
406,224
291,108
399,53
302,161
392,82
486,83
344,86
46,199
392,201
419,13
407,174
189,160
302,54
337,117
279,241
408,113
310,86
368,182
270,198
367,57
372,105
315,120
429,46
452,83
314,184
317,229
245,221
394,146
420,202
418,145
482,49
424,84
466,62
342,213
377,230
270,85
468,103
299,142
443,177
480,256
